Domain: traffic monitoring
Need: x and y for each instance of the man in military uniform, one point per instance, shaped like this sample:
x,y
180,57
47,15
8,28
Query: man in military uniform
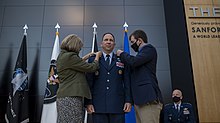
x,y
110,86
178,112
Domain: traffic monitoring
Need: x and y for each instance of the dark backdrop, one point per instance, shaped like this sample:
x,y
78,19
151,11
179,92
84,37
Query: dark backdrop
x,y
179,52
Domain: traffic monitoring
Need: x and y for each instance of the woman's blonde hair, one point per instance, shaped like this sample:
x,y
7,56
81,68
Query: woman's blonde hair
x,y
72,43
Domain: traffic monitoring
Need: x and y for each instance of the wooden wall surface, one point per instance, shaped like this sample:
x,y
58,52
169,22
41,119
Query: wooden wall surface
x,y
204,43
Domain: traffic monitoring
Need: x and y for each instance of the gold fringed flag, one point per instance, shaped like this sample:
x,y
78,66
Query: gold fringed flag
x,y
49,113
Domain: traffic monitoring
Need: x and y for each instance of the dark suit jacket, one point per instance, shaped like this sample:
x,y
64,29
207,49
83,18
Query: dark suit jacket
x,y
144,84
184,115
110,86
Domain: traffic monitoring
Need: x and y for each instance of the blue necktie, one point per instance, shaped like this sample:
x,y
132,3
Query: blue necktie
x,y
177,107
108,60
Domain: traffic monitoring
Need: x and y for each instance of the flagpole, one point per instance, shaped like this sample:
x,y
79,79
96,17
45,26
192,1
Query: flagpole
x,y
25,29
94,33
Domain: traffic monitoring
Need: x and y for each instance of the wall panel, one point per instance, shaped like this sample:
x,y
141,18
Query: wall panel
x,y
204,42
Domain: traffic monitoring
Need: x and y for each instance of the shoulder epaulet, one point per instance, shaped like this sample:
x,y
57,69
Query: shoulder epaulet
x,y
91,58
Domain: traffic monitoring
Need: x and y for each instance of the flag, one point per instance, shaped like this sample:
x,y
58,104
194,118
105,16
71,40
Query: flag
x,y
129,117
34,97
17,105
88,117
5,82
49,113
126,44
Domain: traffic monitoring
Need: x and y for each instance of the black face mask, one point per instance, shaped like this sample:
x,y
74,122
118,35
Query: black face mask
x,y
135,47
176,99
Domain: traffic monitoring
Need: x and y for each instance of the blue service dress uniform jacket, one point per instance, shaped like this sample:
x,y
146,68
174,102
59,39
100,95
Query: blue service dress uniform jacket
x,y
110,86
184,115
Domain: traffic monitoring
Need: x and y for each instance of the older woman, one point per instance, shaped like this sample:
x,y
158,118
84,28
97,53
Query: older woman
x,y
73,86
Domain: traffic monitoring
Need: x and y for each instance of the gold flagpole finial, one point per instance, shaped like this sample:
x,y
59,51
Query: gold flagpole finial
x,y
57,27
125,27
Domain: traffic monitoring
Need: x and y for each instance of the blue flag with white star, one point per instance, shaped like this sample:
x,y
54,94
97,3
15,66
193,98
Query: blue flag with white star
x,y
129,117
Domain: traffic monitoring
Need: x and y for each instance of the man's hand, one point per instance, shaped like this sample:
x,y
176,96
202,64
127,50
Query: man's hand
x,y
90,109
127,107
119,52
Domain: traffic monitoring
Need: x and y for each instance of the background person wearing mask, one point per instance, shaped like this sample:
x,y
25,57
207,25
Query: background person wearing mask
x,y
178,112
144,85
110,86
73,87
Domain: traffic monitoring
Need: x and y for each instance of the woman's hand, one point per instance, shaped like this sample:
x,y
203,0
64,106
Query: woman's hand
x,y
99,53
87,56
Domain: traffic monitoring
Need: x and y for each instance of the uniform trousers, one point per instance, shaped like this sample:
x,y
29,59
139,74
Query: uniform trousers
x,y
148,113
108,117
